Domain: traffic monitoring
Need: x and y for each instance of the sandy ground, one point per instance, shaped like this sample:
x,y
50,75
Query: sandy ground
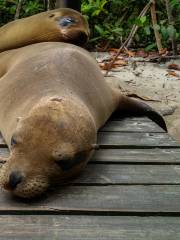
x,y
151,80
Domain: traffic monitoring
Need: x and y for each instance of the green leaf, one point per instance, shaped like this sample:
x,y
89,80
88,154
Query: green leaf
x,y
143,19
99,29
147,30
157,27
171,31
150,47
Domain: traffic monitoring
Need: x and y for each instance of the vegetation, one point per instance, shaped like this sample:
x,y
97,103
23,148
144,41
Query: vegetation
x,y
112,20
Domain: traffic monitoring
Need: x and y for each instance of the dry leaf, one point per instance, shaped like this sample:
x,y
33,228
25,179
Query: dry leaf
x,y
120,62
172,73
153,54
131,54
103,66
113,50
174,66
163,51
141,53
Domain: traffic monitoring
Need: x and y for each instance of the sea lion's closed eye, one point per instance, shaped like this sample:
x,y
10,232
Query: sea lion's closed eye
x,y
13,141
66,21
67,162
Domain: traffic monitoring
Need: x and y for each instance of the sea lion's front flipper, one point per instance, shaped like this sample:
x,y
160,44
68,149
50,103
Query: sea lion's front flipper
x,y
134,107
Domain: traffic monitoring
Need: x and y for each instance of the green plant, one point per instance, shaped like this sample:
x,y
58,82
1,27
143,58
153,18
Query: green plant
x,y
8,9
112,23
111,20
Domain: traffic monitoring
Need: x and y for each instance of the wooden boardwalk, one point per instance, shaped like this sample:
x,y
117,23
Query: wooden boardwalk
x,y
130,191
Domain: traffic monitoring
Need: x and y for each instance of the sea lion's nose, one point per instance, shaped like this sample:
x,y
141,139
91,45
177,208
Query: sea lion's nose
x,y
14,179
82,38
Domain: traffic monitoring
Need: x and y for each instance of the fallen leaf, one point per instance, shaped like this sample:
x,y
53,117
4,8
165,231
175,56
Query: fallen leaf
x,y
103,66
163,51
130,53
153,54
174,66
141,53
113,50
120,62
172,73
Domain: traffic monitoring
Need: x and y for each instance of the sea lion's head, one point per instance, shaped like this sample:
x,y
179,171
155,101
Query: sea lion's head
x,y
59,25
52,144
72,26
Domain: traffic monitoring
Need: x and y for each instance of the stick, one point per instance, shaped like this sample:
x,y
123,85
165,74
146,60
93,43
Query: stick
x,y
171,22
18,9
154,22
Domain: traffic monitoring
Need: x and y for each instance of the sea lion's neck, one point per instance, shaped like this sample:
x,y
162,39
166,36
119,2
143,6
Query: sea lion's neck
x,y
14,35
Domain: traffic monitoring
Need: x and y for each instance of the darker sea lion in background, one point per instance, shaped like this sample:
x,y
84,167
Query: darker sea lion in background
x,y
60,98
59,25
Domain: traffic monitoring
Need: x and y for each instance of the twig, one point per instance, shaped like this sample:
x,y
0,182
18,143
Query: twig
x,y
171,23
18,9
157,59
130,37
135,27
154,23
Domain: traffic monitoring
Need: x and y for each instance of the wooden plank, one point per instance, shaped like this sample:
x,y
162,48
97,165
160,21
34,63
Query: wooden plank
x,y
4,152
128,125
100,199
155,155
89,228
105,174
134,140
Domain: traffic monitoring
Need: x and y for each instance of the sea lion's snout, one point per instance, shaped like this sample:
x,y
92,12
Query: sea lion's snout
x,y
48,148
20,182
79,38
15,178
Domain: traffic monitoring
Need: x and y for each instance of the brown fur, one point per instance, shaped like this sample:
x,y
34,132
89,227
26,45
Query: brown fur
x,y
60,111
43,27
53,101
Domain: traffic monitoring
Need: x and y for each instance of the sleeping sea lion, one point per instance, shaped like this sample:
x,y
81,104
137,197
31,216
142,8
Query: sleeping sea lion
x,y
53,100
60,25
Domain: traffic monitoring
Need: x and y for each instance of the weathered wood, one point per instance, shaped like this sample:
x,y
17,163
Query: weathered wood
x,y
155,155
100,199
89,228
104,174
4,152
134,140
128,125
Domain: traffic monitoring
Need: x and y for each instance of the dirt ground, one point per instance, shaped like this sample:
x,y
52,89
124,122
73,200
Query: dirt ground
x,y
152,81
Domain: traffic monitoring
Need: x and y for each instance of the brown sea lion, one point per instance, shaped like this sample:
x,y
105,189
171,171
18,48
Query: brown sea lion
x,y
53,100
60,25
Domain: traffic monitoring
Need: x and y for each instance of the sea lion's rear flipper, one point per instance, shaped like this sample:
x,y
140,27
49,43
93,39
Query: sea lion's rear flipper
x,y
133,107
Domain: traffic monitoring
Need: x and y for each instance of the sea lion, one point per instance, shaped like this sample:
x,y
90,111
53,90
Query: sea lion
x,y
53,100
60,25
